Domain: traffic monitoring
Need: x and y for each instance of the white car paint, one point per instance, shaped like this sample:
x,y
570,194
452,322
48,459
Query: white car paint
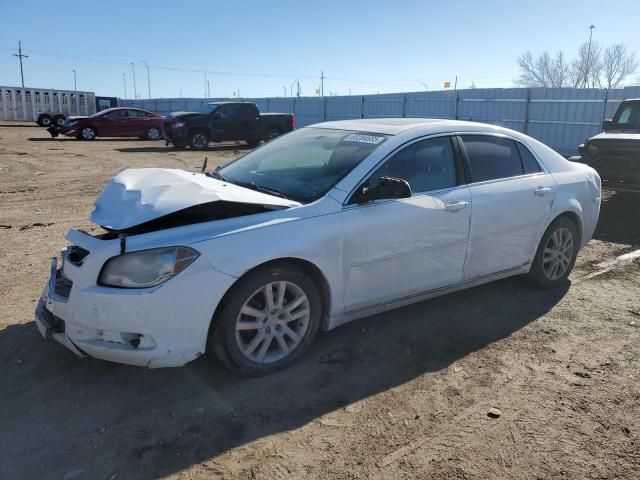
x,y
136,196
372,257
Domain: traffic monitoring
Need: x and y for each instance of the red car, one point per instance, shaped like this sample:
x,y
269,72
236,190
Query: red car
x,y
113,122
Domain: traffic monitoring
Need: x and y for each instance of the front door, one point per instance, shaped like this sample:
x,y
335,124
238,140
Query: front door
x,y
512,197
398,248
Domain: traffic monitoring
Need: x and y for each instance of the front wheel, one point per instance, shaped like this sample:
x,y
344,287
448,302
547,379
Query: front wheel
x,y
556,254
87,133
268,320
154,133
199,140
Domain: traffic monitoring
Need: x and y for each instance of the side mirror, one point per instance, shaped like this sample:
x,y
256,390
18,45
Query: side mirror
x,y
607,125
387,188
217,115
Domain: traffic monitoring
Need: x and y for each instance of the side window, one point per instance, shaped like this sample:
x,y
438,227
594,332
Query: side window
x,y
529,162
427,165
247,111
229,111
491,158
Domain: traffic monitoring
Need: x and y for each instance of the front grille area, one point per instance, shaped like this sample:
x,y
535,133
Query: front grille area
x,y
63,285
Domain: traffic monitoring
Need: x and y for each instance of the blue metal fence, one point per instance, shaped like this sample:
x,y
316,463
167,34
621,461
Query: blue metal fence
x,y
560,117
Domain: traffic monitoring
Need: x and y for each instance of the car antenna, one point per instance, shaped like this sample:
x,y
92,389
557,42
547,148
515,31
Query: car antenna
x,y
204,165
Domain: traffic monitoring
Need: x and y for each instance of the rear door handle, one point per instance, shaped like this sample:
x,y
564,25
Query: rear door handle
x,y
455,206
542,191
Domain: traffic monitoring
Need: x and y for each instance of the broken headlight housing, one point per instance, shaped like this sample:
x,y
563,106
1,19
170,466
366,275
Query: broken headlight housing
x,y
146,268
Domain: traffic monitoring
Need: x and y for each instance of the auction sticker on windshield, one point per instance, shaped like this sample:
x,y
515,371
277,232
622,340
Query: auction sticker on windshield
x,y
361,138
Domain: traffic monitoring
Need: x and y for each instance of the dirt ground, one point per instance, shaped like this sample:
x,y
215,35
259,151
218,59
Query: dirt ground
x,y
400,395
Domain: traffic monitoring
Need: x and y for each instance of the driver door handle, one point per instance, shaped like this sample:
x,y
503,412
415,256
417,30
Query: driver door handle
x,y
542,191
455,206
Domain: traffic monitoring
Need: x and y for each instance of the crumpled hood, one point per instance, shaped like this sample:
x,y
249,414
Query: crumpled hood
x,y
139,195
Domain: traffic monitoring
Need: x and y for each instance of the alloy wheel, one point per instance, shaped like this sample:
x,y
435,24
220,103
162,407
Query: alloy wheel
x,y
88,133
199,140
558,253
153,134
272,322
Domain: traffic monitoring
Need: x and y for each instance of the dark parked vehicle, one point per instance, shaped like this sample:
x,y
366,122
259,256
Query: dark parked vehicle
x,y
615,153
226,121
113,122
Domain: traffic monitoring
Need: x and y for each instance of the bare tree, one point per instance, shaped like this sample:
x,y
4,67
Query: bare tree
x,y
618,64
586,68
543,71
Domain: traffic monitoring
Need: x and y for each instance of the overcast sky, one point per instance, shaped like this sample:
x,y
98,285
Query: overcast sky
x,y
259,47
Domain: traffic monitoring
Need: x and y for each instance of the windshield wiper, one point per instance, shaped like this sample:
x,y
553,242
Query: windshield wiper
x,y
218,175
254,186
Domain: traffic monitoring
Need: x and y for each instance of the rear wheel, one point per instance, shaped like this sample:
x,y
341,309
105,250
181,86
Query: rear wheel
x,y
268,320
87,133
45,121
153,133
199,140
556,254
59,120
271,134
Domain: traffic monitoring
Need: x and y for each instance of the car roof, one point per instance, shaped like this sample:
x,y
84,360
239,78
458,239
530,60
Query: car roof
x,y
396,126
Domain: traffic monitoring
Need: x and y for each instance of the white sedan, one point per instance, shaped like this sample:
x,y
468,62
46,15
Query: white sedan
x,y
324,225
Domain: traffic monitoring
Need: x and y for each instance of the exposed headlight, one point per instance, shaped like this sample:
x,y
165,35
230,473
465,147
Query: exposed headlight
x,y
146,268
70,123
592,149
179,124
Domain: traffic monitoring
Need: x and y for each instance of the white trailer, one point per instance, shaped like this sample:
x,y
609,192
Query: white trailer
x,y
43,105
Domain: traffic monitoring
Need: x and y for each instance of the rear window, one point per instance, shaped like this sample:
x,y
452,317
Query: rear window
x,y
491,158
529,162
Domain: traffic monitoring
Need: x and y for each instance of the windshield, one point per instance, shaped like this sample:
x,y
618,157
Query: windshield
x,y
212,106
304,164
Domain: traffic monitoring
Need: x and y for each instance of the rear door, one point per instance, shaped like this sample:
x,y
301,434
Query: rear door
x,y
135,123
226,123
511,196
250,125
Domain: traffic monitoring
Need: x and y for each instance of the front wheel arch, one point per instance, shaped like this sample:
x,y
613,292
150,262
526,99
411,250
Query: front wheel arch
x,y
316,274
573,216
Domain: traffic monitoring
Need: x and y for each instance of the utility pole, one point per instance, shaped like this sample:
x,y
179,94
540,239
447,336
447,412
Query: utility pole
x,y
124,83
284,89
75,88
321,83
586,68
208,89
135,89
148,78
21,56
205,84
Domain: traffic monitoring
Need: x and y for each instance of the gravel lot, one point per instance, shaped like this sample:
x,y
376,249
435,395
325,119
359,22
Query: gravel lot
x,y
404,394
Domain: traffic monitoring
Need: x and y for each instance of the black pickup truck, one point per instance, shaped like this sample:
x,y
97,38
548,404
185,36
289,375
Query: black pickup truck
x,y
226,121
615,153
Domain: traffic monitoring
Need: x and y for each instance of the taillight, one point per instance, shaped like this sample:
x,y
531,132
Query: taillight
x,y
293,121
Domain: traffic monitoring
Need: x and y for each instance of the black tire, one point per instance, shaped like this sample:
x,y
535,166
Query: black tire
x,y
223,339
153,133
548,254
199,140
87,133
58,120
45,120
253,142
271,134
